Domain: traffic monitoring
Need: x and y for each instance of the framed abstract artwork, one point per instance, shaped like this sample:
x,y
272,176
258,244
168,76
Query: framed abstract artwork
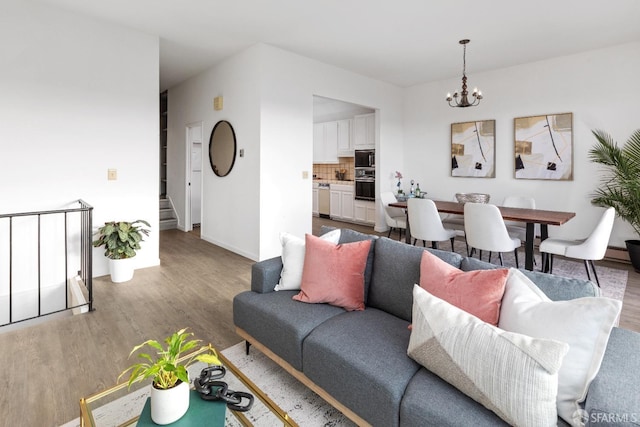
x,y
544,147
473,149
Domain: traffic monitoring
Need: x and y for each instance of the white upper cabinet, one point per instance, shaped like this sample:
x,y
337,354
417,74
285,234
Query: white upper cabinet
x,y
345,141
325,142
364,132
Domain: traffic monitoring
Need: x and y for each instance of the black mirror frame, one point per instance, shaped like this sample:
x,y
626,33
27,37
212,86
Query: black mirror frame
x,y
235,146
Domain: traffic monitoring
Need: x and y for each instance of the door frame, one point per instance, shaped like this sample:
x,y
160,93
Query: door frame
x,y
188,223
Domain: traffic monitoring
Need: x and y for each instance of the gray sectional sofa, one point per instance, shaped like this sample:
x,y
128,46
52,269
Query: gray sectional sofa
x,y
358,360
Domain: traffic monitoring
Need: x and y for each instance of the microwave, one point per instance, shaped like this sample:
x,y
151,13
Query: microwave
x,y
365,158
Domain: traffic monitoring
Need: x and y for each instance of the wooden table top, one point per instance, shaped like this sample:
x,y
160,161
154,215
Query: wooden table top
x,y
538,216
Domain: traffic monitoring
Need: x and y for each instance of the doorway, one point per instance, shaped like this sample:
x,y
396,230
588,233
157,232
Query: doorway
x,y
194,176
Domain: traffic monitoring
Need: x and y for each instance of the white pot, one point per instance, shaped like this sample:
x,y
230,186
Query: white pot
x,y
168,406
121,270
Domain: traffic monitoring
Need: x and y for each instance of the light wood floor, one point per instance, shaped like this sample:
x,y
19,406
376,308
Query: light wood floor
x,y
48,367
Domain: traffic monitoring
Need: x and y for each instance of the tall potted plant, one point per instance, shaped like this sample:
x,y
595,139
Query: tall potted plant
x,y
620,185
121,239
170,388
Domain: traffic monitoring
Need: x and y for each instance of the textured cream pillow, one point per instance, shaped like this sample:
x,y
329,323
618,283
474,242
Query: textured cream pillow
x,y
293,250
513,375
583,323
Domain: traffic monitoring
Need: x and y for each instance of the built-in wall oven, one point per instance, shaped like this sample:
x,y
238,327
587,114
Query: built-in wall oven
x,y
365,171
365,188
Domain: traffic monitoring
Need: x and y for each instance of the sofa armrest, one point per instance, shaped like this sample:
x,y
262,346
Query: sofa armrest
x,y
265,275
614,394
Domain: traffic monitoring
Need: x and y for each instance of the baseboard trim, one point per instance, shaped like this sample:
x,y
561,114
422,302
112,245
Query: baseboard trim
x,y
303,379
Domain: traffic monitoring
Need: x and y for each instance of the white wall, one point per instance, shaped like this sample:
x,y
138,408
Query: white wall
x,y
600,88
268,98
78,97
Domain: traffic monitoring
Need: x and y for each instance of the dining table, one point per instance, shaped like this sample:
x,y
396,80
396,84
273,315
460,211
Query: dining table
x,y
529,216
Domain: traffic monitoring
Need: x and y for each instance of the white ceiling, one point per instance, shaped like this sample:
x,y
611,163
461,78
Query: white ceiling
x,y
403,42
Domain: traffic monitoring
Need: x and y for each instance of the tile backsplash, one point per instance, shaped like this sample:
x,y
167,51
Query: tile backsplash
x,y
322,171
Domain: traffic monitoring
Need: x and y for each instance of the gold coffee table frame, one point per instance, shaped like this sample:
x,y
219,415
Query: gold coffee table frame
x,y
86,411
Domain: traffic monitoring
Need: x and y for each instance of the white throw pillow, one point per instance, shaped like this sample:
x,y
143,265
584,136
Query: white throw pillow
x,y
513,375
583,323
293,250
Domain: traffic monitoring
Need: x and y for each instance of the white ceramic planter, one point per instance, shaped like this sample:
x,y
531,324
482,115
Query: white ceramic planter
x,y
168,406
121,270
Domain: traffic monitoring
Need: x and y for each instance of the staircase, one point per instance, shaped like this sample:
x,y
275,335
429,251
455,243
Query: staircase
x,y
168,220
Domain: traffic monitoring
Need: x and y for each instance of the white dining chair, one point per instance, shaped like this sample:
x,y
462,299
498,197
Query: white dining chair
x,y
515,228
485,231
453,221
519,229
395,218
591,249
425,223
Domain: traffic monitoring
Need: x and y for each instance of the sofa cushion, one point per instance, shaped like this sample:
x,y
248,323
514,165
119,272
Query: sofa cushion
x,y
613,398
477,292
334,274
293,250
431,401
557,288
396,268
583,323
514,375
360,358
279,322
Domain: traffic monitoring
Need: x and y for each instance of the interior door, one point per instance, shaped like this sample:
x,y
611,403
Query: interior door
x,y
194,175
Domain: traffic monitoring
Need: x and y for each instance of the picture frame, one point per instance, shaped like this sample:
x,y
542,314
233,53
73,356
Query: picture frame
x,y
543,147
473,149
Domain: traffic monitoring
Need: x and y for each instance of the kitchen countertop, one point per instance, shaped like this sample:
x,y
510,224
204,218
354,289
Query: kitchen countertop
x,y
333,181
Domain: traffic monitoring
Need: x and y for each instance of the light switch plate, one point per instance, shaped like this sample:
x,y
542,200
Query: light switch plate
x,y
112,174
305,174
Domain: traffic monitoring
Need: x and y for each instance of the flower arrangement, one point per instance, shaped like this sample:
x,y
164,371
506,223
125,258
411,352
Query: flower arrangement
x,y
399,184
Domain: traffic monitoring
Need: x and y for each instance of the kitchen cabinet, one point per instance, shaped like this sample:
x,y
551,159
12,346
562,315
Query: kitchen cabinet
x,y
342,201
364,132
345,141
325,142
365,211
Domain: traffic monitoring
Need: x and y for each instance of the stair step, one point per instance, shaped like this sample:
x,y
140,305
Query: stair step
x,y
168,224
166,214
165,204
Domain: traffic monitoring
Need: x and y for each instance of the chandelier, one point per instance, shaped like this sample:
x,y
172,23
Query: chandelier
x,y
464,100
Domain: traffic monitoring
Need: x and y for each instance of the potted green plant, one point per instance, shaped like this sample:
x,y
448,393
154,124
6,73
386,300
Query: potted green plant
x,y
170,388
620,185
121,239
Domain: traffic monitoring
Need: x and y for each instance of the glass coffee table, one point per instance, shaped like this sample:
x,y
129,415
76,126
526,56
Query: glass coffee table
x,y
121,406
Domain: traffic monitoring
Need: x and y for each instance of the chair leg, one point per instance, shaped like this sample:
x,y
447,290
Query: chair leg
x,y
480,255
515,253
550,264
424,244
586,266
434,245
390,230
499,257
471,252
491,253
452,239
399,234
593,268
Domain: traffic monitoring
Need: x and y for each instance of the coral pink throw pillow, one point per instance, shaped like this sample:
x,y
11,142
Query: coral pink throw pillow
x,y
478,292
334,274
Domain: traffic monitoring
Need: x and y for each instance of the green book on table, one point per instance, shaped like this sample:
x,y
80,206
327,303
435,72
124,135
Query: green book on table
x,y
201,413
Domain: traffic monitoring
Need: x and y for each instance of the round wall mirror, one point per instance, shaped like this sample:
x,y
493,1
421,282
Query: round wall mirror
x,y
222,148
